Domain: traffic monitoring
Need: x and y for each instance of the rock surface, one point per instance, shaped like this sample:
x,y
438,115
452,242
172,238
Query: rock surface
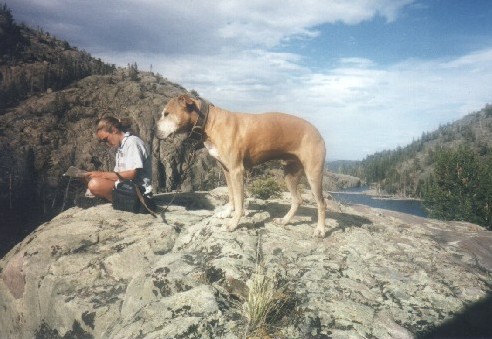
x,y
101,273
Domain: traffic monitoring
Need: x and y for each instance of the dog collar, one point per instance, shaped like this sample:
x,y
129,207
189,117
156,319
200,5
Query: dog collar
x,y
197,131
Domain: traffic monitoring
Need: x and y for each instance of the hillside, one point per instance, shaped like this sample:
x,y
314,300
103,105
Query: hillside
x,y
407,171
42,136
32,62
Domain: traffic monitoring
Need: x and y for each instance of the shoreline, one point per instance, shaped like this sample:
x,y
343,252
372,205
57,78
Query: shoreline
x,y
375,195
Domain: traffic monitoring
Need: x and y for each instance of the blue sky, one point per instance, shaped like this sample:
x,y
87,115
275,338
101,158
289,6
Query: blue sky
x,y
370,74
424,30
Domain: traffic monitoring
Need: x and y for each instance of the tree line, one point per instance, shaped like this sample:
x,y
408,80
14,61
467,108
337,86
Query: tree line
x,y
33,61
461,187
450,169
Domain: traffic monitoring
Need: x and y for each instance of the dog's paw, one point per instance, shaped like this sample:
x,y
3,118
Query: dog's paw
x,y
279,221
319,232
225,213
231,227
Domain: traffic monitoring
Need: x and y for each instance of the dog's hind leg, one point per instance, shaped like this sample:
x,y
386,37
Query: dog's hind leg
x,y
315,179
293,171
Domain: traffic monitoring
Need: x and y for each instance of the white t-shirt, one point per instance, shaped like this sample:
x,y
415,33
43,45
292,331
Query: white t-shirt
x,y
133,153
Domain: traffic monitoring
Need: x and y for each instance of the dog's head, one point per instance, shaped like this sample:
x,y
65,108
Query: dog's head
x,y
178,116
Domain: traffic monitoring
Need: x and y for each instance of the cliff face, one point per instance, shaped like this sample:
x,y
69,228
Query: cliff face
x,y
100,273
57,128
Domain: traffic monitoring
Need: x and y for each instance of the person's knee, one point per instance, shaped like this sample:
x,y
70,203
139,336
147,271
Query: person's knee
x,y
94,185
101,188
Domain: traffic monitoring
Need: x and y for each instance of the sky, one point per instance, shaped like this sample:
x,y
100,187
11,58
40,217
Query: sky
x,y
371,75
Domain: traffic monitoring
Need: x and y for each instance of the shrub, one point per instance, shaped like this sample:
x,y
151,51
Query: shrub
x,y
265,188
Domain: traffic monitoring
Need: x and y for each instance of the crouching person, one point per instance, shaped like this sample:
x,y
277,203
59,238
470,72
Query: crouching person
x,y
129,186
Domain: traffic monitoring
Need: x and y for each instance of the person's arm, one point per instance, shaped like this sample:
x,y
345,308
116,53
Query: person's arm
x,y
128,174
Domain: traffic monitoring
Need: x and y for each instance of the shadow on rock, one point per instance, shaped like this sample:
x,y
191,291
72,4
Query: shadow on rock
x,y
473,322
344,221
192,201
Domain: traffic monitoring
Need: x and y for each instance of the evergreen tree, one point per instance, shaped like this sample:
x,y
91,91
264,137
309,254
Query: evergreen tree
x,y
461,188
133,71
10,35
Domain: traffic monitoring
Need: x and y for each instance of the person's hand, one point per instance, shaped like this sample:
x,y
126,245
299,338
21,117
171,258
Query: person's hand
x,y
86,175
97,174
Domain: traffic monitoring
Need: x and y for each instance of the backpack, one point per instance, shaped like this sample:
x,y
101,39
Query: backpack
x,y
127,196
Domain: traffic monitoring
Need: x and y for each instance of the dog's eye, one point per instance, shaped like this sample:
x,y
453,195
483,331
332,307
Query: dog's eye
x,y
166,114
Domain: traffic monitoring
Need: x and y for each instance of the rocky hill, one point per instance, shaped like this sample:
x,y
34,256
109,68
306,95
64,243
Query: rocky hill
x,y
45,134
101,273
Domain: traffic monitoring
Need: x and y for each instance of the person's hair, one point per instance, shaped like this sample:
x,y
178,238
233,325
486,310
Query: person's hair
x,y
110,124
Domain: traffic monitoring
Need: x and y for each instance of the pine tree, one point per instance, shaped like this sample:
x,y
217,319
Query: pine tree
x,y
461,188
133,71
9,32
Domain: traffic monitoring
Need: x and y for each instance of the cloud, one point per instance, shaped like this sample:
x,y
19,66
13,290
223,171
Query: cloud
x,y
245,56
359,106
195,26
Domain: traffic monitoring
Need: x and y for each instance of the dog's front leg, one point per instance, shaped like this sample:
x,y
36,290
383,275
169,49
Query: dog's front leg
x,y
229,208
237,185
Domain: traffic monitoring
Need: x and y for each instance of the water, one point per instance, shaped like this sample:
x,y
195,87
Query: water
x,y
355,196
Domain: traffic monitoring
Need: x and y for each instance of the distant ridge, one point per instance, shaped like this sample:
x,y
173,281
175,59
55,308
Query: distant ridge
x,y
33,61
406,171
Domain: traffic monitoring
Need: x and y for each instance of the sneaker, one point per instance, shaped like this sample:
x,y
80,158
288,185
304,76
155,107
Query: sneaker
x,y
88,194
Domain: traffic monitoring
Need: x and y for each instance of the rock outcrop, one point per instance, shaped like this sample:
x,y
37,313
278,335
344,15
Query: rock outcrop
x,y
101,273
45,134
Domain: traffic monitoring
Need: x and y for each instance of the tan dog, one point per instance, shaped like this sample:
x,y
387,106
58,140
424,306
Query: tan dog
x,y
239,141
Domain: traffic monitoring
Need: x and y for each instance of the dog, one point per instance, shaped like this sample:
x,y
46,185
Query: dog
x,y
240,140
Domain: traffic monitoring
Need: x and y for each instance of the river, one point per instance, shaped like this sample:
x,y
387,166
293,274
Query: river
x,y
358,196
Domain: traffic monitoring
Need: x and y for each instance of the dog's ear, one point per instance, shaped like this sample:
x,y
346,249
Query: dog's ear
x,y
186,102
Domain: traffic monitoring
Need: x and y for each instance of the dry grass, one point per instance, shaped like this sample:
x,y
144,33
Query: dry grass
x,y
266,300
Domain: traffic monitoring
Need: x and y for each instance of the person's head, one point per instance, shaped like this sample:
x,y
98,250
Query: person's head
x,y
112,130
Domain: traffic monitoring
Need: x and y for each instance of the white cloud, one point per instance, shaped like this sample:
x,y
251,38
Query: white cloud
x,y
195,25
227,50
359,106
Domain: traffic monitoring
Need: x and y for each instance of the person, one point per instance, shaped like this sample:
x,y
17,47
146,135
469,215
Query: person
x,y
133,159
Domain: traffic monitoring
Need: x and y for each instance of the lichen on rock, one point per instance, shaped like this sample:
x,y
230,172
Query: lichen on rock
x,y
102,273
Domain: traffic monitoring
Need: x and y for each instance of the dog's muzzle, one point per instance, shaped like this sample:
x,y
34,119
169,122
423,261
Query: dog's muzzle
x,y
165,129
